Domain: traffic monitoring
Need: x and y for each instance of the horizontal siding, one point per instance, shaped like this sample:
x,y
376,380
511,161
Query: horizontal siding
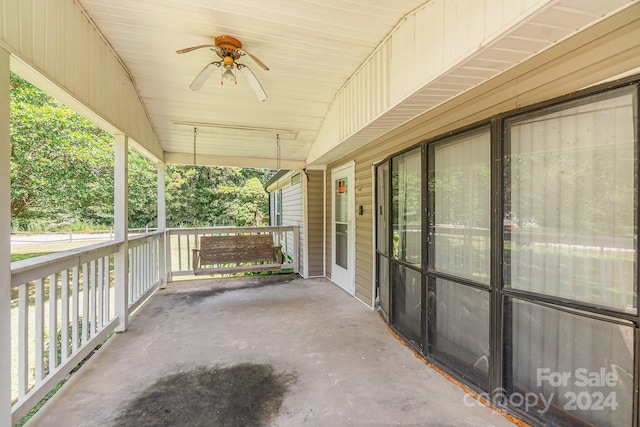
x,y
292,214
315,225
61,52
364,232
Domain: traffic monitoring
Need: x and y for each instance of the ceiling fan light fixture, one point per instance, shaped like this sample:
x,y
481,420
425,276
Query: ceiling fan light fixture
x,y
227,70
228,75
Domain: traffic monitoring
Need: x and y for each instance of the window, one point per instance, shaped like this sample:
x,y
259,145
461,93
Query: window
x,y
406,176
382,237
460,196
569,186
460,248
296,179
552,353
406,220
277,208
529,291
460,329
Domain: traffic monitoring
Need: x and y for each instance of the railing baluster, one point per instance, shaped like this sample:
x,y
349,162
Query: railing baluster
x,y
64,307
138,273
132,269
156,260
179,254
140,265
23,339
106,290
189,260
168,258
100,293
75,309
39,330
135,265
92,301
85,303
53,322
136,276
147,266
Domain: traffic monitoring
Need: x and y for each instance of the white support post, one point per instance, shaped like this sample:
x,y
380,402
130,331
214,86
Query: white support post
x,y
120,220
162,225
5,244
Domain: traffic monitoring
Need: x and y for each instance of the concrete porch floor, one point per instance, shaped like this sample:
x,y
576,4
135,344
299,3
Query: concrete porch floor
x,y
348,368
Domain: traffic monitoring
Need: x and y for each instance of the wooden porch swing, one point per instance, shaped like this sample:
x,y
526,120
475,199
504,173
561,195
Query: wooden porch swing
x,y
236,254
240,253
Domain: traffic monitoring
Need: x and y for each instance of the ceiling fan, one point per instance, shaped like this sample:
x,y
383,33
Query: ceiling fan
x,y
229,49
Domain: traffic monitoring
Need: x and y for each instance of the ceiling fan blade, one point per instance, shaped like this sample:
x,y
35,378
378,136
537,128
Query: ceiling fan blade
x,y
200,46
257,61
197,83
253,81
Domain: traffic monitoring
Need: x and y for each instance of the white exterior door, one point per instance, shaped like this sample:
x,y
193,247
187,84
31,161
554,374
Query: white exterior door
x,y
343,228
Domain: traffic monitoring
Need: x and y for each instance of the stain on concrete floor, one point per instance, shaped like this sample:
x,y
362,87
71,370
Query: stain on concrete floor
x,y
221,286
242,395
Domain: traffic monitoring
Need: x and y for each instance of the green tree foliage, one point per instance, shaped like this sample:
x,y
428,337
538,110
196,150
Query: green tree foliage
x,y
253,199
205,196
57,157
62,173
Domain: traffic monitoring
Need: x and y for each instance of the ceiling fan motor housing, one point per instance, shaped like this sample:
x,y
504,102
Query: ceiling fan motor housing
x,y
229,45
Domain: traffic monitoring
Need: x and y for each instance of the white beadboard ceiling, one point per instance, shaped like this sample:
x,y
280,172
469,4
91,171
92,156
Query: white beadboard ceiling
x,y
313,48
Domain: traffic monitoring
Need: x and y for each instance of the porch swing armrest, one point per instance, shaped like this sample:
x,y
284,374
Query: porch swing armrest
x,y
196,258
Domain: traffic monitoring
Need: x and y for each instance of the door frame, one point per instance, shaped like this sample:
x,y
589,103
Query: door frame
x,y
345,279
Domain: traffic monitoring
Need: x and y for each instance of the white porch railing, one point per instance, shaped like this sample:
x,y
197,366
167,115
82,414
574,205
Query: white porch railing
x,y
64,304
63,307
144,267
181,241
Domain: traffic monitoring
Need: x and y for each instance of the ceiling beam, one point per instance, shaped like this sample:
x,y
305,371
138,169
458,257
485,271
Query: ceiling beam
x,y
242,162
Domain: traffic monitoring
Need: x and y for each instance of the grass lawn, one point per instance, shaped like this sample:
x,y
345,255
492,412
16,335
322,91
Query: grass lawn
x,y
20,257
40,248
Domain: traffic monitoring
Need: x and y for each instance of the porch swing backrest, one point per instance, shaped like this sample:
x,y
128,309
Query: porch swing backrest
x,y
236,254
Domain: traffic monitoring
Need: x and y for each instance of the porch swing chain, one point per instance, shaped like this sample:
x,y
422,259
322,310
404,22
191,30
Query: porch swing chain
x,y
278,152
195,137
278,185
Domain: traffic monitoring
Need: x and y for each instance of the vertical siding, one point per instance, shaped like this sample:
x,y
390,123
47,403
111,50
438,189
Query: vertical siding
x,y
314,227
442,50
61,52
596,54
367,94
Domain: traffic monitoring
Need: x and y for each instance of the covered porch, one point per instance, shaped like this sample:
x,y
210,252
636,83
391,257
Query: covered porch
x,y
335,360
351,85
